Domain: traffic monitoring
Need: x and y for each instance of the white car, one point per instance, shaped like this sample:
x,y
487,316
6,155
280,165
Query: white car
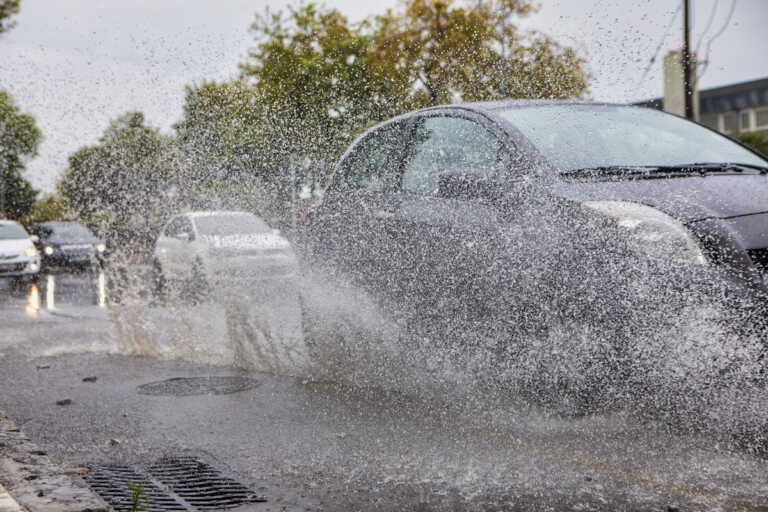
x,y
207,247
19,259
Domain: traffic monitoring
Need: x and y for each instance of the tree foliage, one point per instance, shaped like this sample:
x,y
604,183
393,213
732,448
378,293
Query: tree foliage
x,y
48,208
758,141
8,8
19,141
119,186
234,152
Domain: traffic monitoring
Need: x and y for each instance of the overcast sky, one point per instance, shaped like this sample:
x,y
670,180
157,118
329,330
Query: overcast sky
x,y
76,64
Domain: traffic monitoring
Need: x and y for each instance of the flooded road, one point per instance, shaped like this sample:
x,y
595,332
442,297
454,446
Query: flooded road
x,y
311,445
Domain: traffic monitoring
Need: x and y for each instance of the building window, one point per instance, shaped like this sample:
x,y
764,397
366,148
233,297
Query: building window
x,y
710,121
745,125
761,119
730,122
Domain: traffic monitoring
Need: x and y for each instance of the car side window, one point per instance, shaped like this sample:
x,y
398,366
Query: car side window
x,y
448,144
373,160
173,228
178,226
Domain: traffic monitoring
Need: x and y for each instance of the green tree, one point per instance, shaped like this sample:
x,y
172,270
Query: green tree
x,y
312,72
120,185
19,141
758,141
8,8
48,208
233,151
472,52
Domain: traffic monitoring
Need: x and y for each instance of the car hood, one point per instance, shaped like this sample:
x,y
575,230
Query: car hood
x,y
14,247
248,242
688,198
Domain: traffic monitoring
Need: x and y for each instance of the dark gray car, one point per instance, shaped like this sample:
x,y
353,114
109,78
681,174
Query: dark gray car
x,y
495,224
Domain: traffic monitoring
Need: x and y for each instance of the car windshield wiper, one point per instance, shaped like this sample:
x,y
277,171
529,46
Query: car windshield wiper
x,y
728,166
647,170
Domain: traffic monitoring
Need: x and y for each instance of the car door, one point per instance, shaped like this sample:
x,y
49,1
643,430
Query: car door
x,y
349,227
449,232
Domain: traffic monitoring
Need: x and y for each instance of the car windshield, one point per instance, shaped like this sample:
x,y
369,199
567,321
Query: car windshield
x,y
68,231
12,231
230,225
575,137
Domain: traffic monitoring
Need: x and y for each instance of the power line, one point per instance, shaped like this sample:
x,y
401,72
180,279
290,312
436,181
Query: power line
x,y
661,43
711,19
717,34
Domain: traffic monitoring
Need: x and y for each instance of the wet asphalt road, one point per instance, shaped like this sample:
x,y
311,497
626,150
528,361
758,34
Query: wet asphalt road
x,y
322,446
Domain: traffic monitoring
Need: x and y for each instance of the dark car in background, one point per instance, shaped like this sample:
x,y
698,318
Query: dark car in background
x,y
494,223
68,245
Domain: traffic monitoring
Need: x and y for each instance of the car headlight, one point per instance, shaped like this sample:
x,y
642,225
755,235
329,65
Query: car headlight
x,y
101,247
31,252
660,236
48,250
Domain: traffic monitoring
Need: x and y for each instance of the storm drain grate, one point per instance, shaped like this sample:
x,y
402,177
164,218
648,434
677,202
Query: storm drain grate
x,y
113,483
202,486
178,484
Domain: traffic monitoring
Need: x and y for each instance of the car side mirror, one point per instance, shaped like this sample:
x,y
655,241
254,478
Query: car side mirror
x,y
464,184
35,239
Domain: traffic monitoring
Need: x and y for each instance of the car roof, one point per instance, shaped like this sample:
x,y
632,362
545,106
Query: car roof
x,y
491,106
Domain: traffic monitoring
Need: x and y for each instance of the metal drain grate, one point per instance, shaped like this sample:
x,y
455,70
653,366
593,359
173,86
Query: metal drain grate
x,y
113,482
181,484
191,386
202,486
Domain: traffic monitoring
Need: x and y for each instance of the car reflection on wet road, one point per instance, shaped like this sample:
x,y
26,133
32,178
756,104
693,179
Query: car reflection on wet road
x,y
52,292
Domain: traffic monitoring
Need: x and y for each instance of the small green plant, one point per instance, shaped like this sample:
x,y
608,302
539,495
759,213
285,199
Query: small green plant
x,y
137,491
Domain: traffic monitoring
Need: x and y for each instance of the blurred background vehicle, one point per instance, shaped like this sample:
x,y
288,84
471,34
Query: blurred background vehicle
x,y
68,245
199,247
19,258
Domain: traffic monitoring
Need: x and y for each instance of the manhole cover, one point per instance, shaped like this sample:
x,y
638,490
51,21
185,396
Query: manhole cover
x,y
190,386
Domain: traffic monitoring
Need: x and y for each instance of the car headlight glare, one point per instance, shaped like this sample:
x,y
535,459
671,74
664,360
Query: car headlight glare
x,y
658,235
31,252
101,247
48,250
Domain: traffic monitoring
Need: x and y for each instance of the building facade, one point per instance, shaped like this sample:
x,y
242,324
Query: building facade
x,y
730,109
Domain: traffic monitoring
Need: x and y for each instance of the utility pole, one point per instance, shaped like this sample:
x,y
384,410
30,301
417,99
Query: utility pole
x,y
2,171
686,56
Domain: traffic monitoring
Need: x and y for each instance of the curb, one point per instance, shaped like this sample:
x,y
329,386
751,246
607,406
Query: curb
x,y
31,482
7,503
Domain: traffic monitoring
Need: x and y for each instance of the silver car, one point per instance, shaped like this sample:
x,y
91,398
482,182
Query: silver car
x,y
19,259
